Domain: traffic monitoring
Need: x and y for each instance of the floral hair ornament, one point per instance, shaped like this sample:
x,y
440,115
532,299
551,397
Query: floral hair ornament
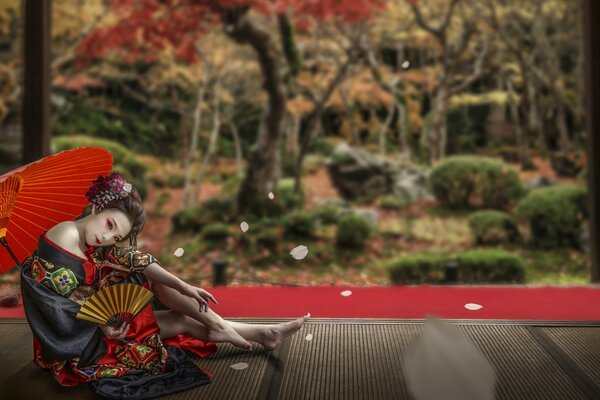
x,y
107,188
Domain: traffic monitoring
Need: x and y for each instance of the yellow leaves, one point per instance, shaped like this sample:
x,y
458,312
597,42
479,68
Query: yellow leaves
x,y
493,97
70,18
9,10
299,106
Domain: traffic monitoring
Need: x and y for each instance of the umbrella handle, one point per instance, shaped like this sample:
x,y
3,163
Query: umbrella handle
x,y
5,244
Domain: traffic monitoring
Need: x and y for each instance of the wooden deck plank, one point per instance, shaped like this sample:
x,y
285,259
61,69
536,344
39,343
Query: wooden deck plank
x,y
347,359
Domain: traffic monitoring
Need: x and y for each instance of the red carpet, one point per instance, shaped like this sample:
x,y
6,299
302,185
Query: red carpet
x,y
411,302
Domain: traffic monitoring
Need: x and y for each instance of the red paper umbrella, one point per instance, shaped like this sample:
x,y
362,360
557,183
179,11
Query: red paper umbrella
x,y
37,196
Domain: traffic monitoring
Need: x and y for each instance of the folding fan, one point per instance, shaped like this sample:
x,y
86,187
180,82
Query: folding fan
x,y
115,304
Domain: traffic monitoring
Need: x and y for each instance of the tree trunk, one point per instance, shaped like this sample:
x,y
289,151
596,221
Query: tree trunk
x,y
314,118
522,142
214,136
293,136
238,149
384,128
263,160
183,128
403,131
561,122
190,159
349,111
437,133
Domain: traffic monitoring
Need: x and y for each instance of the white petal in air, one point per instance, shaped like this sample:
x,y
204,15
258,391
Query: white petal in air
x,y
299,252
309,337
244,226
406,64
346,293
239,366
473,306
444,363
271,195
178,252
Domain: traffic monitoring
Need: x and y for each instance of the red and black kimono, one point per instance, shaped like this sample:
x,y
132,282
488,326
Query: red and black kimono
x,y
54,285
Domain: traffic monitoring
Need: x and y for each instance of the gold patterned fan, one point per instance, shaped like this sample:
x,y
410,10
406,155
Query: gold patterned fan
x,y
115,304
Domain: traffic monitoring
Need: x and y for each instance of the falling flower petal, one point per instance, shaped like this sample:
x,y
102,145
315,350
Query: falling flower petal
x,y
406,64
244,226
444,363
299,252
346,293
473,306
309,337
239,366
179,252
271,195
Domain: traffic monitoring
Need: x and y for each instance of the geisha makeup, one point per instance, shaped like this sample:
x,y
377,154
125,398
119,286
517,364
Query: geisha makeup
x,y
106,228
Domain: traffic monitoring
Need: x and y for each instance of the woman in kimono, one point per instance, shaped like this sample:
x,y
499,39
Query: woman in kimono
x,y
140,360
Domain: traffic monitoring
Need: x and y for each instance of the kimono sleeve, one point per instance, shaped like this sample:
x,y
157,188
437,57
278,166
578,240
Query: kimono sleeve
x,y
131,258
52,320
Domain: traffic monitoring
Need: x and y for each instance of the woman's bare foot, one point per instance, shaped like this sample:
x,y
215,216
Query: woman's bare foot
x,y
275,334
224,333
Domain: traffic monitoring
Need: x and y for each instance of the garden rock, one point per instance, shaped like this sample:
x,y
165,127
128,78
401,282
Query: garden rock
x,y
370,215
410,185
539,182
359,175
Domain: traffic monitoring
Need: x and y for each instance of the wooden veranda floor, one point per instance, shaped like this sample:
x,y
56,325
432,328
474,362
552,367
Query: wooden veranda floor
x,y
353,359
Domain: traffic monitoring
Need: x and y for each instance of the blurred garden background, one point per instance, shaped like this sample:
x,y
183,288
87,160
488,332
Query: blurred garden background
x,y
397,137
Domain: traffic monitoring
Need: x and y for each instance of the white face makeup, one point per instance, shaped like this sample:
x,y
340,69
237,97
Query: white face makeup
x,y
107,227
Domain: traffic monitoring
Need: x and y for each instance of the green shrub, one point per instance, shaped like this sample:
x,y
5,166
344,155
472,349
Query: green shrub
x,y
352,231
393,203
507,153
320,145
216,232
286,197
490,266
329,213
554,215
417,269
221,209
288,164
172,180
301,224
493,227
267,238
568,163
161,200
285,201
312,163
231,185
466,127
121,154
475,182
212,210
125,161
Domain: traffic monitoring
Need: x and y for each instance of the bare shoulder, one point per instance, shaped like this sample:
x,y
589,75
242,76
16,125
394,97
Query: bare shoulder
x,y
65,235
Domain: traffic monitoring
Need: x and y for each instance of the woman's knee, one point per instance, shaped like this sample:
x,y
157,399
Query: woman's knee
x,y
171,323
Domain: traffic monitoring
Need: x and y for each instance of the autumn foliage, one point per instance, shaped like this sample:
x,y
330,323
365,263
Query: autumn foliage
x,y
144,27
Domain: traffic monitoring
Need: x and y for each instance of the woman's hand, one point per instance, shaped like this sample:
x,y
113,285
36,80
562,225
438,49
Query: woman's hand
x,y
115,333
201,296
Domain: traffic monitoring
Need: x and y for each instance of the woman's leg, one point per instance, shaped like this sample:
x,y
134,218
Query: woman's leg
x,y
269,336
218,329
172,323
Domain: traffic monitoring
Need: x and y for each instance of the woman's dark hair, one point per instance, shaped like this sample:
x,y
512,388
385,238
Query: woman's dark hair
x,y
132,206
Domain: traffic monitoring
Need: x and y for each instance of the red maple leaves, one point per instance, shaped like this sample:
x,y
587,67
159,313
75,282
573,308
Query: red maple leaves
x,y
147,26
